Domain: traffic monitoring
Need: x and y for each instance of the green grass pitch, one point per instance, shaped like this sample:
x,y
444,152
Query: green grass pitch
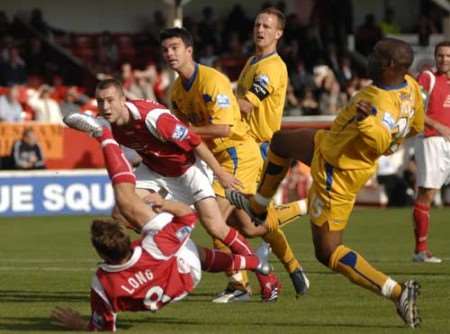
x,y
45,262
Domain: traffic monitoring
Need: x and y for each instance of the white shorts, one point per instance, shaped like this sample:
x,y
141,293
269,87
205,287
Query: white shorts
x,y
189,261
433,161
193,186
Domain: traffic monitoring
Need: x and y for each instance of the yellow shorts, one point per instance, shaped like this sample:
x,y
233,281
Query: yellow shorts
x,y
244,162
333,192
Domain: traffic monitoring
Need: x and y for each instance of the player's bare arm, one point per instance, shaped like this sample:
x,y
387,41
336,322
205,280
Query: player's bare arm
x,y
441,128
160,204
226,179
211,131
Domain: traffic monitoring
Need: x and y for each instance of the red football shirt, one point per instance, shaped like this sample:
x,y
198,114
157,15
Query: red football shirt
x,y
438,107
162,140
150,279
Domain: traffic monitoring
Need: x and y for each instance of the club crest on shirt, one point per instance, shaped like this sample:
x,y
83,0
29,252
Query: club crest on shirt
x,y
222,101
180,132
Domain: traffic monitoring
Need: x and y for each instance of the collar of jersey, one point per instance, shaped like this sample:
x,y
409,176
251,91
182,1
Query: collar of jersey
x,y
187,84
256,59
113,268
394,87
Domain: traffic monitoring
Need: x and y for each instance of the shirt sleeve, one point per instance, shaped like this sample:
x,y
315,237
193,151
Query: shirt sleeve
x,y
166,127
220,101
375,133
425,79
102,317
264,83
164,243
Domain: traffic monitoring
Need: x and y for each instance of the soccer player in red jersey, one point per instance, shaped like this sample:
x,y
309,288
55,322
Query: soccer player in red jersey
x,y
163,266
432,150
171,155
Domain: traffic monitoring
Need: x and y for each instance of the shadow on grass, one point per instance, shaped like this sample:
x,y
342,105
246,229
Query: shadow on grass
x,y
24,296
269,324
34,324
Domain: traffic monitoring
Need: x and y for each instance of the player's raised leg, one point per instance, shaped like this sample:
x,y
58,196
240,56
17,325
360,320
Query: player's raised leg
x,y
285,146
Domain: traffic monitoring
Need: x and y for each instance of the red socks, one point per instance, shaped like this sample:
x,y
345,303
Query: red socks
x,y
421,216
237,243
119,170
217,261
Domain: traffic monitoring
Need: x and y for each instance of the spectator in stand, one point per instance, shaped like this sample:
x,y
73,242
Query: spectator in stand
x,y
425,27
10,108
27,153
309,104
40,25
142,87
388,25
45,108
331,98
432,149
208,27
301,78
127,75
73,101
13,70
36,57
107,46
367,35
4,24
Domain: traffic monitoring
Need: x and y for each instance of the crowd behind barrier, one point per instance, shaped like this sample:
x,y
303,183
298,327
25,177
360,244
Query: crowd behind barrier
x,y
38,86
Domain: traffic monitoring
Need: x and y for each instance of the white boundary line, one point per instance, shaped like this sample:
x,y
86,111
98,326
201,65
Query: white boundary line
x,y
53,173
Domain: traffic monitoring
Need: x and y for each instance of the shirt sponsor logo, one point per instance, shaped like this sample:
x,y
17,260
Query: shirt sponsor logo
x,y
183,232
180,132
262,80
222,101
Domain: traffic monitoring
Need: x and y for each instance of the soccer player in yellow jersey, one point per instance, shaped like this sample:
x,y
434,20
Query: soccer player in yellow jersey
x,y
261,92
203,98
374,123
262,84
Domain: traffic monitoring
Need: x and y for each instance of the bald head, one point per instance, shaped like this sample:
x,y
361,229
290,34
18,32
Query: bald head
x,y
396,50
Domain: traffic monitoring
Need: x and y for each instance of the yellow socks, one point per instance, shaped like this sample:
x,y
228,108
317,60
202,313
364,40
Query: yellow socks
x,y
275,169
359,271
281,248
281,215
278,216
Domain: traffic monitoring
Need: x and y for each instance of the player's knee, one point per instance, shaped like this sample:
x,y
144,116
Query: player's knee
x,y
276,143
248,232
323,256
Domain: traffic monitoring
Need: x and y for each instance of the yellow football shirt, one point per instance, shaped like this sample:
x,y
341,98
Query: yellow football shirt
x,y
397,112
263,82
208,99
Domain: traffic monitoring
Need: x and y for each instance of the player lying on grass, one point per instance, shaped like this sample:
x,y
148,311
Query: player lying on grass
x,y
163,266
